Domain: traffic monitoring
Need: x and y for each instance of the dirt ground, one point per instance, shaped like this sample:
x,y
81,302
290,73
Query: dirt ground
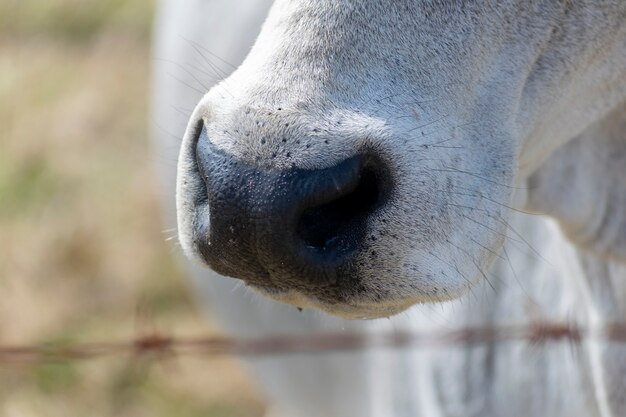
x,y
83,255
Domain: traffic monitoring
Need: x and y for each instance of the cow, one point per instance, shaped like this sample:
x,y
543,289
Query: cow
x,y
422,164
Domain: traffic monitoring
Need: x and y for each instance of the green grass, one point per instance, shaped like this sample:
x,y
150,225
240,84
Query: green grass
x,y
56,377
26,187
74,20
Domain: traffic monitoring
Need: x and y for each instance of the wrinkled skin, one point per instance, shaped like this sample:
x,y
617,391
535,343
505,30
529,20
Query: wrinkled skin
x,y
480,110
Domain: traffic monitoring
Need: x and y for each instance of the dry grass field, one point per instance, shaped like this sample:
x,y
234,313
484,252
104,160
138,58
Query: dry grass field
x,y
82,253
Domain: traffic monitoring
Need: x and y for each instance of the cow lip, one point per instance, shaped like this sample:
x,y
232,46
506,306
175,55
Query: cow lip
x,y
292,297
349,310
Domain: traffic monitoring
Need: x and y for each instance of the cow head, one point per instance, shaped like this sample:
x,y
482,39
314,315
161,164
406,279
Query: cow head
x,y
366,154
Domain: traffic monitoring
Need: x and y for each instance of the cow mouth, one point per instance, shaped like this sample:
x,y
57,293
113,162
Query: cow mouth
x,y
346,309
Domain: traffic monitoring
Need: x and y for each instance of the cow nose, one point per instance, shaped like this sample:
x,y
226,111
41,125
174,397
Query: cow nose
x,y
295,227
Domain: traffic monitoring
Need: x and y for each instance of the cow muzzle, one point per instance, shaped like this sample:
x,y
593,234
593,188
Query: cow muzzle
x,y
289,229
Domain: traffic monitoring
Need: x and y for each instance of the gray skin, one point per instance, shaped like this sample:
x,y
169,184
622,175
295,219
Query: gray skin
x,y
479,118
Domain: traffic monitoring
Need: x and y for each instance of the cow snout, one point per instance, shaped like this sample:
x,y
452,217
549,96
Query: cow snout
x,y
285,228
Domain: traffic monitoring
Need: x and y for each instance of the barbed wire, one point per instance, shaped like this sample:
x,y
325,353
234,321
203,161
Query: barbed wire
x,y
159,345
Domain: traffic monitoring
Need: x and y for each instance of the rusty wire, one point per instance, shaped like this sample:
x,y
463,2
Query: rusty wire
x,y
159,345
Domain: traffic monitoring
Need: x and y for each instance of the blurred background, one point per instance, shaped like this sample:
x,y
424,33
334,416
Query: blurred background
x,y
83,253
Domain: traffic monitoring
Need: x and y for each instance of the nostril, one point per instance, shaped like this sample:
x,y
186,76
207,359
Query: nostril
x,y
338,222
299,225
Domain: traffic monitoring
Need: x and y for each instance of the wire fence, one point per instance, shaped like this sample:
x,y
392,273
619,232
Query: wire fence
x,y
162,345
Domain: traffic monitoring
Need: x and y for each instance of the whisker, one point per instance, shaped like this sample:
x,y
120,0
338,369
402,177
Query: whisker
x,y
186,84
491,229
487,249
167,132
218,71
183,112
186,70
474,262
210,76
460,171
432,122
481,195
508,259
523,240
456,267
204,48
484,275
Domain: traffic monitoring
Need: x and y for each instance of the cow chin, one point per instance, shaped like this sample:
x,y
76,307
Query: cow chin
x,y
349,309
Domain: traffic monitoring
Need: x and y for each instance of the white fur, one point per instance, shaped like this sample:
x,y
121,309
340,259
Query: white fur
x,y
516,114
